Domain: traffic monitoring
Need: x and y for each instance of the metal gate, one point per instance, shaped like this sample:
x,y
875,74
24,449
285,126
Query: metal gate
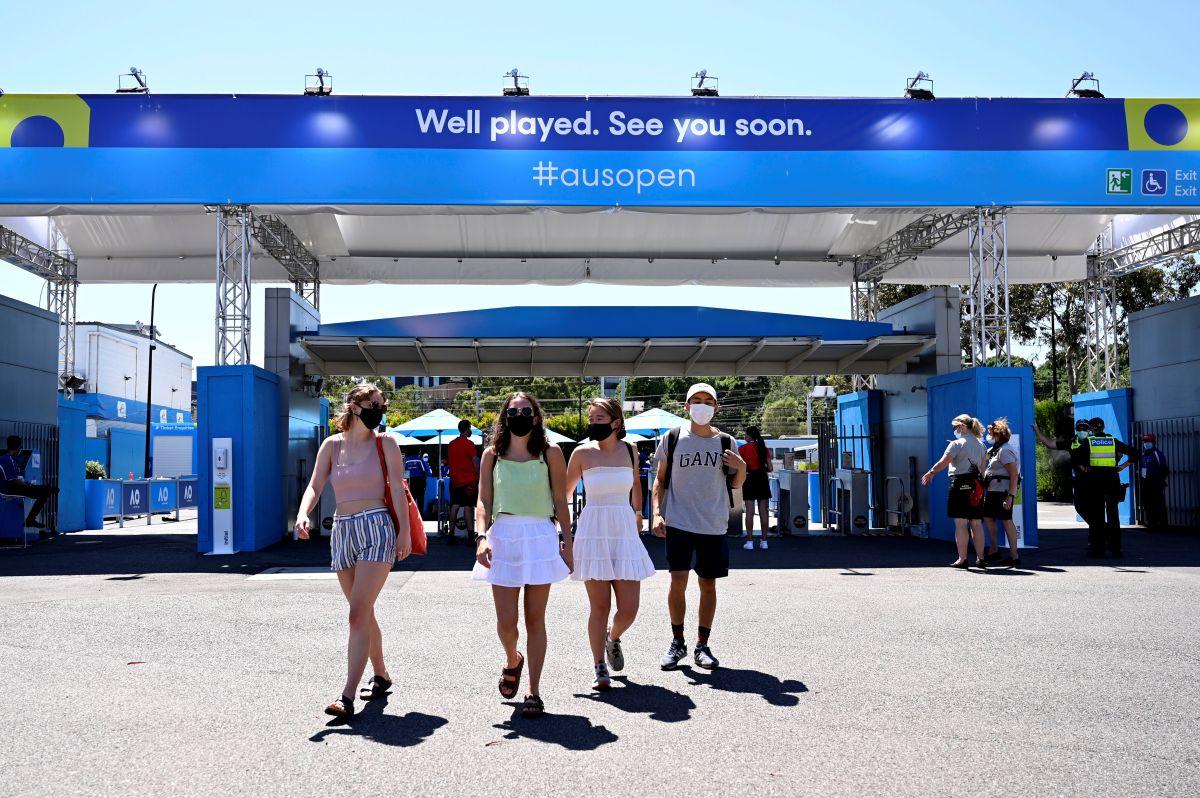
x,y
845,446
43,439
1179,440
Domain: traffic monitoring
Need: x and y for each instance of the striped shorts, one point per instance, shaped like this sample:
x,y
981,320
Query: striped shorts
x,y
368,535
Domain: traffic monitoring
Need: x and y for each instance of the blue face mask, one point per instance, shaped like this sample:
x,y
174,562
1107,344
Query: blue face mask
x,y
1082,434
959,434
1147,446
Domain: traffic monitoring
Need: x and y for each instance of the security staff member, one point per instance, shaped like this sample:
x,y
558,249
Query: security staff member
x,y
12,483
1093,472
1153,484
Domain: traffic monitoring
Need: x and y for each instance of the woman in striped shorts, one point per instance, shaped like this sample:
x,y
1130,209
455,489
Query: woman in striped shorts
x,y
365,543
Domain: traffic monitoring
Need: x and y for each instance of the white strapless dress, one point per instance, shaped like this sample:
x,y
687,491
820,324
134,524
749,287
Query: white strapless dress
x,y
607,544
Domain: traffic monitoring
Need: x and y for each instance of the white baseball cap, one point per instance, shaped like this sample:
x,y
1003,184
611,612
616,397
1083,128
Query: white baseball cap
x,y
701,387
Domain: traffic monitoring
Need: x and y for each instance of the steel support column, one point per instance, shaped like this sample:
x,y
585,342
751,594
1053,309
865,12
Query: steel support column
x,y
1100,321
233,285
864,306
987,314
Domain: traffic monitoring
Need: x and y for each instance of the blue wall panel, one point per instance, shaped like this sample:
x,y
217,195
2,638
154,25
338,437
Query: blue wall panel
x,y
126,453
860,414
242,403
988,394
72,427
1116,408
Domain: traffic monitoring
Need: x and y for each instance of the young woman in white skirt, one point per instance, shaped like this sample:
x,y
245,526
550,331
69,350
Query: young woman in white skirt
x,y
609,555
521,479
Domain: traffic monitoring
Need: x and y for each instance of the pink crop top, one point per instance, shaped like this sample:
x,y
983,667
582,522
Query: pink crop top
x,y
360,481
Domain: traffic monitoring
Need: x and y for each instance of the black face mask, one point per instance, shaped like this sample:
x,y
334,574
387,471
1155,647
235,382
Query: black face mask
x,y
371,418
599,432
520,425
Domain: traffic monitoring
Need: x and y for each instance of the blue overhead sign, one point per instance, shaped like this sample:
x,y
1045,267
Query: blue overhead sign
x,y
83,149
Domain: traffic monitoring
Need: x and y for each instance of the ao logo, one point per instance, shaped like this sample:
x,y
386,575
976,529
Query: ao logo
x,y
162,416
120,410
110,496
163,495
187,491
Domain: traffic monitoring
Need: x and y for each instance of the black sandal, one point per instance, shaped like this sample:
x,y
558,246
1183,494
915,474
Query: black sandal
x,y
533,707
342,708
508,689
376,688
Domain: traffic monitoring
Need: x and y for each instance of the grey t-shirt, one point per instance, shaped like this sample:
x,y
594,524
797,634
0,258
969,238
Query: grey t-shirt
x,y
697,500
965,452
996,467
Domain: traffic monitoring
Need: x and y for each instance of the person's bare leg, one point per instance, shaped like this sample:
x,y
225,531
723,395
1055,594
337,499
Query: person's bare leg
x,y
961,537
708,600
748,518
977,533
1010,529
991,538
507,601
677,596
764,514
369,578
629,598
536,597
600,600
346,580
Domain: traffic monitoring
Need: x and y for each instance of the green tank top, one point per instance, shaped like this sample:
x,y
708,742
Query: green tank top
x,y
522,488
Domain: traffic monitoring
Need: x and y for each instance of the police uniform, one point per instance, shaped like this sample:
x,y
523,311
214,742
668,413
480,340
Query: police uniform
x,y
1098,489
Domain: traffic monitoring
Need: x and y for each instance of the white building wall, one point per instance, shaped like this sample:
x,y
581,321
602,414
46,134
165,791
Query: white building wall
x,y
115,363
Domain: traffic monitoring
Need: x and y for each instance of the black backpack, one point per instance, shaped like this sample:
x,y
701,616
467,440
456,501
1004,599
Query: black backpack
x,y
673,441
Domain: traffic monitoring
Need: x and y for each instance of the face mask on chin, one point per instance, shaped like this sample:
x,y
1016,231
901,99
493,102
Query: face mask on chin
x,y
701,414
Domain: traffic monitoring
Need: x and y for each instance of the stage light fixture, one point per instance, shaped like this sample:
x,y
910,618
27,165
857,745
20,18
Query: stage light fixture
x,y
1091,91
916,89
520,83
699,89
138,85
318,85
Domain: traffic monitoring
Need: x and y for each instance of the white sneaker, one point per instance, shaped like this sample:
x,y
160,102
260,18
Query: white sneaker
x,y
763,545
602,682
749,545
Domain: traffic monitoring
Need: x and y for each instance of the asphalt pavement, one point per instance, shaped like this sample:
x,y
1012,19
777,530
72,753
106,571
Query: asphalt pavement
x,y
132,666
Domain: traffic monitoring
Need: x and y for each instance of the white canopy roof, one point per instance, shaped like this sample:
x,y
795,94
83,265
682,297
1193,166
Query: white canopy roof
x,y
643,246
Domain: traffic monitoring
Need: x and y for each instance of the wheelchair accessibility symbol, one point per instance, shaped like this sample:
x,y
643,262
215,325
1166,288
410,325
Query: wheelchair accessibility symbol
x,y
1154,182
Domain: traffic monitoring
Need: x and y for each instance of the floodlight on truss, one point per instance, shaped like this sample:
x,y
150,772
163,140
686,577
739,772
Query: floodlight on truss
x,y
520,83
919,87
704,84
318,85
1090,91
823,392
133,82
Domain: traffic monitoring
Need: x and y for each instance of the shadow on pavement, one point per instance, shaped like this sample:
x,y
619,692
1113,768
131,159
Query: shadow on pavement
x,y
668,706
372,724
734,680
130,556
573,732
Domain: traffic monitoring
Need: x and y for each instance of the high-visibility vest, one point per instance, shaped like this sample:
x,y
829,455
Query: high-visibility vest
x,y
1102,450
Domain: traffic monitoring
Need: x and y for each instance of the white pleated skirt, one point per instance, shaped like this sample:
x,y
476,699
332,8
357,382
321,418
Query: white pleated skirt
x,y
525,551
607,545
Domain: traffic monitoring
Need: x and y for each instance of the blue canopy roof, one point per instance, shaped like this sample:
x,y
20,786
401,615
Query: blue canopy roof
x,y
608,322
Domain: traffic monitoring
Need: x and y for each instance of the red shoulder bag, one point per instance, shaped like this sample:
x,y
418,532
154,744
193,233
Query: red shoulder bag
x,y
416,525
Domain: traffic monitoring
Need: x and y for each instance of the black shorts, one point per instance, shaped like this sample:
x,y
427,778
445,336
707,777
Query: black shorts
x,y
463,495
710,553
958,500
756,487
993,505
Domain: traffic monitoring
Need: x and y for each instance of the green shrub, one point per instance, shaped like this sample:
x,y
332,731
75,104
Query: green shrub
x,y
1053,469
93,469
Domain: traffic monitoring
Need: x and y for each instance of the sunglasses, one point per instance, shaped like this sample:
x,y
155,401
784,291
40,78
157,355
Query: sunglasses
x,y
376,405
513,412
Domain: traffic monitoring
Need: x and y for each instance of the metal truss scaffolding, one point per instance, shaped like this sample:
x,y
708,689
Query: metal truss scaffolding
x,y
1104,265
864,306
987,313
57,265
233,285
274,236
910,241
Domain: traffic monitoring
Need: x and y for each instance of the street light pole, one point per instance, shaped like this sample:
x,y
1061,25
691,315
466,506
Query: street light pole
x,y
150,382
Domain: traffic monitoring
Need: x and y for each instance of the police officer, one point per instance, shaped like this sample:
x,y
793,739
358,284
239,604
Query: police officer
x,y
1095,483
1153,470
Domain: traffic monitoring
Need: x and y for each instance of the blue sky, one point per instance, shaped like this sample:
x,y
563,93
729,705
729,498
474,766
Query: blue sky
x,y
822,49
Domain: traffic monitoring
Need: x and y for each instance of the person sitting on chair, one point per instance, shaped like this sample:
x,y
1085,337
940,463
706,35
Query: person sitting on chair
x,y
12,482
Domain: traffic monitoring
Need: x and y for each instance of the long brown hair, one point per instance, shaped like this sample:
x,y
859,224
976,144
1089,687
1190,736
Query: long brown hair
x,y
614,410
359,393
502,437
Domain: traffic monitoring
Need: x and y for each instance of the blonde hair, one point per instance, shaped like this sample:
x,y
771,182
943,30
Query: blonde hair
x,y
614,410
358,393
1001,430
973,425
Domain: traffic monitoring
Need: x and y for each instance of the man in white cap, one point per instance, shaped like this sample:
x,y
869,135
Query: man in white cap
x,y
698,468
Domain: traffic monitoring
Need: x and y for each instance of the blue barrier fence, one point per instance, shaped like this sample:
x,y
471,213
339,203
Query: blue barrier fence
x,y
125,498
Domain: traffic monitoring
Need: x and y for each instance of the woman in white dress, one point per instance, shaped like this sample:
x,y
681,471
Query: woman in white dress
x,y
609,555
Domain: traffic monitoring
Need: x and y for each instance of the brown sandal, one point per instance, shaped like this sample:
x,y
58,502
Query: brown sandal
x,y
508,689
378,687
533,707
